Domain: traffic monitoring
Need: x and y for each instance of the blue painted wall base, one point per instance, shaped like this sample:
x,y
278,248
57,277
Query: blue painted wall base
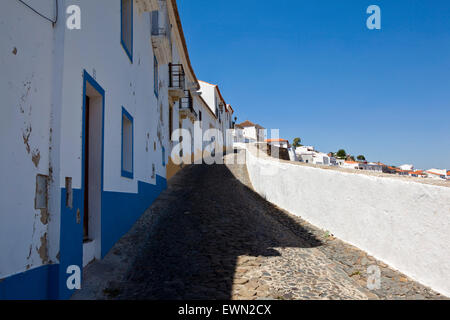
x,y
35,284
119,212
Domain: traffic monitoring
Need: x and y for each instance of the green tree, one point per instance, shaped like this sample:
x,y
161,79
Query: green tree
x,y
341,154
361,158
296,142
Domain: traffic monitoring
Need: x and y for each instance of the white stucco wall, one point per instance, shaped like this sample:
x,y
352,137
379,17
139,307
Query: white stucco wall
x,y
41,85
126,84
208,94
26,60
208,119
403,223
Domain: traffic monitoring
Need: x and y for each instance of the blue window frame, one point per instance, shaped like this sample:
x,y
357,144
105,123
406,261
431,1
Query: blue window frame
x,y
155,76
127,165
126,27
163,156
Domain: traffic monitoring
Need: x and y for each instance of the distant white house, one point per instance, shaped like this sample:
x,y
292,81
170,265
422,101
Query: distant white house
x,y
249,132
417,174
349,164
322,158
281,143
407,167
371,166
308,154
437,174
362,165
305,154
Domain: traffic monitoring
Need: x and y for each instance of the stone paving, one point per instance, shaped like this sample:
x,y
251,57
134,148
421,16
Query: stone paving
x,y
210,236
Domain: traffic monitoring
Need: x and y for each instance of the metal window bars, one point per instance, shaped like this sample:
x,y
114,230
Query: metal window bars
x,y
176,76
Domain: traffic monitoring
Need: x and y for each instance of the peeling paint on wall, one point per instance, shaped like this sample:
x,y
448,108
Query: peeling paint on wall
x,y
24,97
36,157
44,216
26,138
29,253
43,249
26,132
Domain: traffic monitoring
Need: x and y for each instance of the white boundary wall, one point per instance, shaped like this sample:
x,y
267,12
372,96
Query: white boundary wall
x,y
405,224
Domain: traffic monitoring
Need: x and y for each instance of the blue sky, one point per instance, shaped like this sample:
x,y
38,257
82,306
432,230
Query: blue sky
x,y
314,70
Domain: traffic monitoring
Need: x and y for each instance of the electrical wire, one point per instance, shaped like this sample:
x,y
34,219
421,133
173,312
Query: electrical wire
x,y
40,14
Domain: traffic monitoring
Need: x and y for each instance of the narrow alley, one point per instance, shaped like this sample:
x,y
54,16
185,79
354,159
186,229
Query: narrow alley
x,y
207,240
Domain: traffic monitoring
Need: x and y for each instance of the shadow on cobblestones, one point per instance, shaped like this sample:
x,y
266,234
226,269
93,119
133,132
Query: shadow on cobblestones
x,y
210,236
206,220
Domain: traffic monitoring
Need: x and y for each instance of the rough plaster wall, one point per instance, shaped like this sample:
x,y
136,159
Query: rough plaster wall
x,y
25,88
402,223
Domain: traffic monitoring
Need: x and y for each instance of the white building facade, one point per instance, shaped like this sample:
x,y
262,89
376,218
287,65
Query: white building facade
x,y
223,112
250,132
86,130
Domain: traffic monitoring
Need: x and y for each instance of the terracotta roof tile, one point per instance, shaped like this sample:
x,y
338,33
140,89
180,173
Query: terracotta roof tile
x,y
248,123
276,140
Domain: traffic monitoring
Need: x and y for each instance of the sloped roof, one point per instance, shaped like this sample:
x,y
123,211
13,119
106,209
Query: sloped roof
x,y
418,173
248,123
218,90
436,173
276,140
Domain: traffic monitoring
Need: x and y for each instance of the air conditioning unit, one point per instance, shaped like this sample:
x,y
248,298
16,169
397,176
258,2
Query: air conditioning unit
x,y
147,5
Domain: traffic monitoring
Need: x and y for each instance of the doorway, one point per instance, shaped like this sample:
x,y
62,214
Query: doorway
x,y
92,168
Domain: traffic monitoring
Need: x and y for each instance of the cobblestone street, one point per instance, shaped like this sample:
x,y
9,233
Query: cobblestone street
x,y
210,236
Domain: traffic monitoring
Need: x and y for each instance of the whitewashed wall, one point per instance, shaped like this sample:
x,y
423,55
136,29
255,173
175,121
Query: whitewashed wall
x,y
208,120
26,96
403,223
208,94
126,84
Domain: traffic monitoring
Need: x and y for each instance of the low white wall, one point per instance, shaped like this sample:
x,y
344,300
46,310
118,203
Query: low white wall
x,y
405,224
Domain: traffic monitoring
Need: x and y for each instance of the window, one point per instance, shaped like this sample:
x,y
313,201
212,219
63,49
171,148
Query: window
x,y
180,137
126,11
127,144
155,76
170,122
199,115
163,156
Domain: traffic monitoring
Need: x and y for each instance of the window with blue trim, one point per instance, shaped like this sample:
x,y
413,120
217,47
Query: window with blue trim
x,y
155,76
163,156
126,37
127,144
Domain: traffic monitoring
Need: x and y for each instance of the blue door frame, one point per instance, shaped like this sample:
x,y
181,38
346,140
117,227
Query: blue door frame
x,y
71,235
